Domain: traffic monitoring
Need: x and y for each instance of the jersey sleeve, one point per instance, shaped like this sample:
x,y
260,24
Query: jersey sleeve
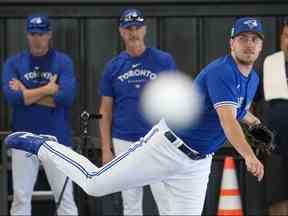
x,y
9,73
67,83
221,87
106,86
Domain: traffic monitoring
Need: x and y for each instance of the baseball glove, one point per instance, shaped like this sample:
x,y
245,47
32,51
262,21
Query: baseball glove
x,y
262,140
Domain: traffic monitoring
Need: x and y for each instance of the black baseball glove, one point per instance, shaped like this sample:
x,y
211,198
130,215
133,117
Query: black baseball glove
x,y
262,140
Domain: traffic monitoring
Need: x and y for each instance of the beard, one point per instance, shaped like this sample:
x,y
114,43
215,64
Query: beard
x,y
246,58
244,61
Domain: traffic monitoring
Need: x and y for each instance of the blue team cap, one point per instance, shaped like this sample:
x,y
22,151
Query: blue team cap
x,y
247,24
131,17
38,23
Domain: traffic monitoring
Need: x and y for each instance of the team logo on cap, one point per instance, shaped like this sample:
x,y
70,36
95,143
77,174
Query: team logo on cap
x,y
252,23
36,20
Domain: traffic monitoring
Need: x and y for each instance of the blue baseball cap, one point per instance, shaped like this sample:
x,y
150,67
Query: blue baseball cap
x,y
247,24
131,17
38,23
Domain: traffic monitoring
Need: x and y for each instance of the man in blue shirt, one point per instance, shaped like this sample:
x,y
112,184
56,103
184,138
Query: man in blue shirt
x,y
122,83
180,159
39,85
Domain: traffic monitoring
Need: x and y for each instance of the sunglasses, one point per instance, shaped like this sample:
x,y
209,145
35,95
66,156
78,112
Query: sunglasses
x,y
132,18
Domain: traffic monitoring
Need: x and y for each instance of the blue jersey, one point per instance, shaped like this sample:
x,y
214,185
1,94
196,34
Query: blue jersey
x,y
33,72
221,83
123,80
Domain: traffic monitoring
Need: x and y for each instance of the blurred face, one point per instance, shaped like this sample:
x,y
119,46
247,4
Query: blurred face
x,y
246,47
39,43
133,35
284,40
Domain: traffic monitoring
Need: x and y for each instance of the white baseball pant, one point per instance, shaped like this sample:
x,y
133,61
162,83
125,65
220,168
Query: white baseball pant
x,y
25,169
152,159
133,198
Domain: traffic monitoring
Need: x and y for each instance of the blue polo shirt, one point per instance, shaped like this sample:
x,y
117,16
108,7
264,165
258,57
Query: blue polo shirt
x,y
34,72
123,79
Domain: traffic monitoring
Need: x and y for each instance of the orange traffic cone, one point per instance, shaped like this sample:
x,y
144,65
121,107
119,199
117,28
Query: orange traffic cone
x,y
230,201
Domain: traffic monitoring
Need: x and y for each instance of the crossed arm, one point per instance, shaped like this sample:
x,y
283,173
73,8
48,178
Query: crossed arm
x,y
52,94
42,95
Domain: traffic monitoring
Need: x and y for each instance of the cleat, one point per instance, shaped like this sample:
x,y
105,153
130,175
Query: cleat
x,y
25,141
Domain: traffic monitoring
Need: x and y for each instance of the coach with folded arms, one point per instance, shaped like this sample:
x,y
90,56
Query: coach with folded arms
x,y
39,86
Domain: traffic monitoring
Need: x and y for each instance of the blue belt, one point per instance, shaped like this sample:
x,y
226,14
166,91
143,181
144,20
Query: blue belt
x,y
182,147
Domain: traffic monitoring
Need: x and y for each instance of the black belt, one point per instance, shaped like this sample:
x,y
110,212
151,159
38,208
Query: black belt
x,y
182,147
